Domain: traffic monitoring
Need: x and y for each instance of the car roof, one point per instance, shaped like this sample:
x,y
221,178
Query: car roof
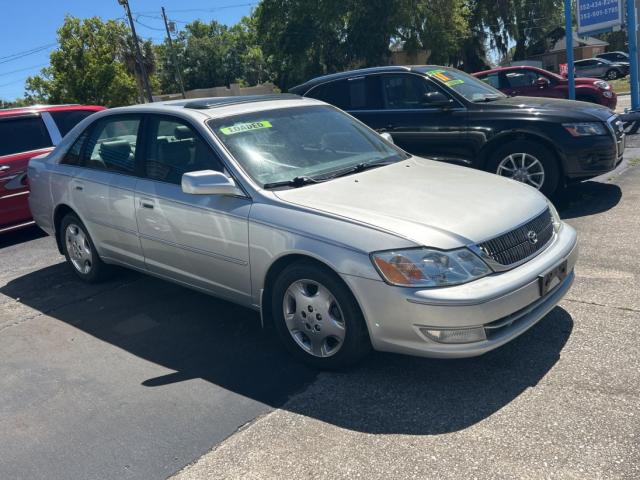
x,y
218,107
509,68
47,108
304,87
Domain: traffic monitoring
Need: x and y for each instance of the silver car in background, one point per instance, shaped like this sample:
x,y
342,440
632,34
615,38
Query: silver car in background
x,y
289,206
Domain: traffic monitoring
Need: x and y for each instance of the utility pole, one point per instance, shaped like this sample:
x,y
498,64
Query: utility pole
x,y
173,54
139,60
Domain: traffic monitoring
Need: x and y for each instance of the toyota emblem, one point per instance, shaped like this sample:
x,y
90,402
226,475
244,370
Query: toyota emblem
x,y
532,237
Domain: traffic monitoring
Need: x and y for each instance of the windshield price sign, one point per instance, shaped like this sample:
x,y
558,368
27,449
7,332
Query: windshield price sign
x,y
598,15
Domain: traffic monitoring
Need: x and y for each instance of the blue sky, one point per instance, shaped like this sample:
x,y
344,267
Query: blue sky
x,y
30,26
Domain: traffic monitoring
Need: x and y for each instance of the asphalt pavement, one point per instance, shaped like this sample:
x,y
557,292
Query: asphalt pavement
x,y
139,378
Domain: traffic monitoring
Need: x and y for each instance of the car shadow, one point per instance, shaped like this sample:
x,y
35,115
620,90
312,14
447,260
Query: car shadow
x,y
20,236
587,198
198,336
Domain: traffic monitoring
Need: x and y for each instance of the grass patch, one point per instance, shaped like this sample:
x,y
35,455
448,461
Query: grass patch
x,y
621,85
634,162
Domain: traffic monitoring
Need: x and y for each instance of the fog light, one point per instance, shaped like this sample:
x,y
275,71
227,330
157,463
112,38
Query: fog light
x,y
607,94
460,335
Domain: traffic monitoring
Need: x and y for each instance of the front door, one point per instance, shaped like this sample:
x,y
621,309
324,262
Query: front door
x,y
199,240
415,126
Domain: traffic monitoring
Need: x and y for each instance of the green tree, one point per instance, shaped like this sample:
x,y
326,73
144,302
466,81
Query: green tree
x,y
89,66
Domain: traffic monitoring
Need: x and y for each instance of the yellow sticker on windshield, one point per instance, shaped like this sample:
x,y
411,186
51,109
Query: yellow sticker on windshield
x,y
451,83
439,74
245,127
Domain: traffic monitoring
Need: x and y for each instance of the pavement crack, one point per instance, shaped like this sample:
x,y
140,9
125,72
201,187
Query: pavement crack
x,y
596,304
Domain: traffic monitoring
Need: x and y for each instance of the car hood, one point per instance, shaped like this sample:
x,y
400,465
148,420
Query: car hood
x,y
427,202
551,106
584,80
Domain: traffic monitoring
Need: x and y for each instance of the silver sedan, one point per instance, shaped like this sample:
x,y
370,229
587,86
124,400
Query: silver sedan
x,y
289,206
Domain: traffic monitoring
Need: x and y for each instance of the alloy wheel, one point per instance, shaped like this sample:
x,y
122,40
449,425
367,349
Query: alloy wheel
x,y
522,167
78,248
314,318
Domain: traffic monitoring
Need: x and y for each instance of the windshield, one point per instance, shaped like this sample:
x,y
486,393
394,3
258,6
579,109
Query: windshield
x,y
469,87
312,141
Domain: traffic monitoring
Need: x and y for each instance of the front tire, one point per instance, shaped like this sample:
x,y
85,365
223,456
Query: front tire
x,y
612,74
80,252
317,318
529,163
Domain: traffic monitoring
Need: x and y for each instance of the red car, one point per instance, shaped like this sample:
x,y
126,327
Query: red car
x,y
24,134
536,82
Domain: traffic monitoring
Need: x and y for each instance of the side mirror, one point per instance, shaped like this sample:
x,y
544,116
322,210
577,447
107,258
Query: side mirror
x,y
542,82
436,100
387,136
209,182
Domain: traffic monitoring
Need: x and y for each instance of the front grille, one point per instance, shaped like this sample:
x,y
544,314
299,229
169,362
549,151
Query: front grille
x,y
518,244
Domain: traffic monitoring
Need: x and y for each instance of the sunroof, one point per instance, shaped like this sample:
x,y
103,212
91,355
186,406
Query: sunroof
x,y
213,102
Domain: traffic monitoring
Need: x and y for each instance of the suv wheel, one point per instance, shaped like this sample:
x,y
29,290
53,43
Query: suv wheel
x,y
317,318
611,74
80,251
529,163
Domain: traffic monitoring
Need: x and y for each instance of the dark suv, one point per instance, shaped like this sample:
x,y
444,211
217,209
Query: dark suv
x,y
445,114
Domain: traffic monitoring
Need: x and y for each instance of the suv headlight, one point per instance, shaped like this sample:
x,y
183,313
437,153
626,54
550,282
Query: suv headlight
x,y
585,129
555,218
602,85
425,267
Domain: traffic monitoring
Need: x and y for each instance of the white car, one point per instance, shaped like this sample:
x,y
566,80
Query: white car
x,y
293,208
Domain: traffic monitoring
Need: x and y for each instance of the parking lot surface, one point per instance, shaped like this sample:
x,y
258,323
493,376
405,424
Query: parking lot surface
x,y
136,378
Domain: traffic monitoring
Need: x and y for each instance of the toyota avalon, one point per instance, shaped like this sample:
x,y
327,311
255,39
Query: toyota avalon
x,y
341,240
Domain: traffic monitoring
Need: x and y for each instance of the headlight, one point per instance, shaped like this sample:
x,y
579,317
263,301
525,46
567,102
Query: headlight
x,y
555,218
424,267
602,84
585,129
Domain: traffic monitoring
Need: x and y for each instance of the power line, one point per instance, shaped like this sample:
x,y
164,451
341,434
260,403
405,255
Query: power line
x,y
26,53
23,69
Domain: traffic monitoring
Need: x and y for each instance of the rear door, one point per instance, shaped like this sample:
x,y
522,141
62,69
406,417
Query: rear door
x,y
21,138
103,169
200,240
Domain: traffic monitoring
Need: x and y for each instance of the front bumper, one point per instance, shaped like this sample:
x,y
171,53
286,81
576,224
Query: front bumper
x,y
504,304
591,156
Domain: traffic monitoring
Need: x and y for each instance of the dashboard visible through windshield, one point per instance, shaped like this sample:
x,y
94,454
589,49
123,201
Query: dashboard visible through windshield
x,y
310,142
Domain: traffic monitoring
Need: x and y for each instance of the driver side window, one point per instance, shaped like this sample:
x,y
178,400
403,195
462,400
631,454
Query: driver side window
x,y
405,91
174,148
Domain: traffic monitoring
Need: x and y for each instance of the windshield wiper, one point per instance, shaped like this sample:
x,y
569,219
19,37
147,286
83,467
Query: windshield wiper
x,y
488,97
360,167
294,182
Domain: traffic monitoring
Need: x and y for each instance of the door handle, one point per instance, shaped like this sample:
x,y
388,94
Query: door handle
x,y
146,203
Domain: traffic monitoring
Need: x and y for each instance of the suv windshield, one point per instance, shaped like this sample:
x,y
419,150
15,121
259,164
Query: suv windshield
x,y
312,142
469,87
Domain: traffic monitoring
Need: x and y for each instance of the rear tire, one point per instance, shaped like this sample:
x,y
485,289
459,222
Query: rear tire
x,y
317,318
80,252
542,164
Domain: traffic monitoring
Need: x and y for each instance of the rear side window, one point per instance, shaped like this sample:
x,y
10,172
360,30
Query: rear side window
x,y
73,156
174,148
66,120
22,134
492,79
112,144
362,93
